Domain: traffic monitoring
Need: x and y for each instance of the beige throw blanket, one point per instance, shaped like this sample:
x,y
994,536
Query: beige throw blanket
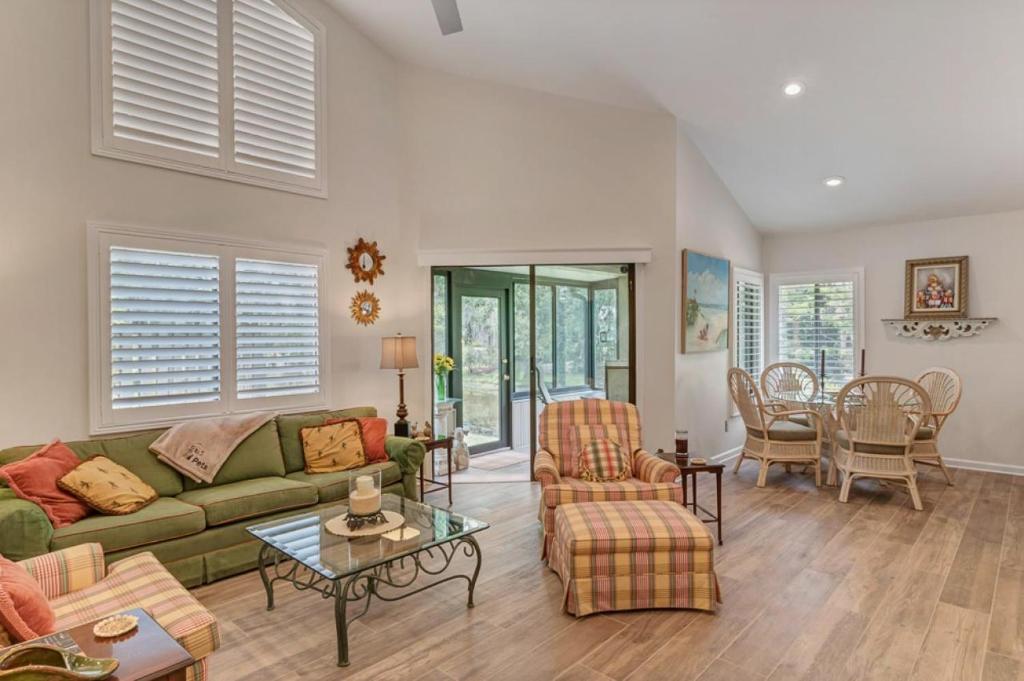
x,y
199,448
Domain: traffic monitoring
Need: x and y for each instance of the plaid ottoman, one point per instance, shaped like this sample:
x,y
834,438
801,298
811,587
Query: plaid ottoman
x,y
633,555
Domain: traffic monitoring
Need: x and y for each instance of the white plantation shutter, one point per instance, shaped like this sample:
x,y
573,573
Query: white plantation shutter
x,y
277,317
164,328
816,315
749,310
164,73
223,88
274,89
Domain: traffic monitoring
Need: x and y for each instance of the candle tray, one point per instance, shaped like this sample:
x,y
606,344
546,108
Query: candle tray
x,y
358,522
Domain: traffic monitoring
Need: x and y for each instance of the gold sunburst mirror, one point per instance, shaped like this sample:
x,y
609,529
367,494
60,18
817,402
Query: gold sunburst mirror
x,y
365,308
366,261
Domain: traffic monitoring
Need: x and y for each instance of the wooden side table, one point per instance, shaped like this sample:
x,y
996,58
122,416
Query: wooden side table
x,y
146,654
689,470
432,445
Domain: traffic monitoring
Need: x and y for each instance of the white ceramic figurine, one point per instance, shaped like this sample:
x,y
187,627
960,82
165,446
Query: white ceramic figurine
x,y
460,450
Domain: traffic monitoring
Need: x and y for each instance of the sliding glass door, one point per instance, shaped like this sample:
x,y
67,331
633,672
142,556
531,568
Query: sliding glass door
x,y
525,336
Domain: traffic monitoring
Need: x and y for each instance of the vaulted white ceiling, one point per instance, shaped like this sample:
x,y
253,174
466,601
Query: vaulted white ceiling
x,y
918,103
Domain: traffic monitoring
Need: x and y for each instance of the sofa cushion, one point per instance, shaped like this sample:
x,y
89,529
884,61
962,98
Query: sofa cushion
x,y
258,456
334,486
24,611
333,447
164,519
35,477
604,461
289,425
575,491
107,487
142,582
234,501
578,438
133,453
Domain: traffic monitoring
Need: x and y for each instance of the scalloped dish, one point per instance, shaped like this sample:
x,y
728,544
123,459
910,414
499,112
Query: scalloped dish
x,y
115,626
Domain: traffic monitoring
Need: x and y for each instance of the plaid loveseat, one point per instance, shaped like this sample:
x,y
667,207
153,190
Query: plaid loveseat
x,y
556,464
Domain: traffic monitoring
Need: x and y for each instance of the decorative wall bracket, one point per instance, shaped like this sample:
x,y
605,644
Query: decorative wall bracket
x,y
939,329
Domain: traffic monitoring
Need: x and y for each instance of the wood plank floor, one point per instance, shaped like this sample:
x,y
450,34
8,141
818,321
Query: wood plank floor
x,y
813,590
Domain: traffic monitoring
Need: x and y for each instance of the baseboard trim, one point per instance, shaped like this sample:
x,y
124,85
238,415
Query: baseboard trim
x,y
968,464
1007,468
727,454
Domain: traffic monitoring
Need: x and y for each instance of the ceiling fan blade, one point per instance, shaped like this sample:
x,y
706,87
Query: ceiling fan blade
x,y
448,18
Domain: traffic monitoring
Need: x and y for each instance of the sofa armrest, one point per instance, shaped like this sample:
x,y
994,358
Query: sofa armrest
x,y
68,570
25,531
650,468
409,455
545,469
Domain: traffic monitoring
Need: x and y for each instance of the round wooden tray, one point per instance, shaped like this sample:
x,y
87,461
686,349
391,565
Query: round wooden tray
x,y
337,526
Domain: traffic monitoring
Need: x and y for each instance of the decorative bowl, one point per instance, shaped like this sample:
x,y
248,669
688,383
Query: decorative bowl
x,y
37,662
115,625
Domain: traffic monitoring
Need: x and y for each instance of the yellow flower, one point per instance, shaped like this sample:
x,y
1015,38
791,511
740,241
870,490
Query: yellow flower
x,y
443,364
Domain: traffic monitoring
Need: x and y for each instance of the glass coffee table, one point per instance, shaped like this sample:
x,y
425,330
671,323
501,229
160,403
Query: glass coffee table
x,y
300,551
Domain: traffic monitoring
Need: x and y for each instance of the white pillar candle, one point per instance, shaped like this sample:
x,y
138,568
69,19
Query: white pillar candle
x,y
365,500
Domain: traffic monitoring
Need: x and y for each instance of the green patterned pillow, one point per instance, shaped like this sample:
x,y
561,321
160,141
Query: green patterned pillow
x,y
604,461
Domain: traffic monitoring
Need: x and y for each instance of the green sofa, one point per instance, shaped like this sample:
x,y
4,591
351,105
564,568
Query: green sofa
x,y
198,530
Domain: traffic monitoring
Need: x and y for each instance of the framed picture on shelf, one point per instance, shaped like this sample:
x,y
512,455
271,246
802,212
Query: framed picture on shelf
x,y
706,318
936,288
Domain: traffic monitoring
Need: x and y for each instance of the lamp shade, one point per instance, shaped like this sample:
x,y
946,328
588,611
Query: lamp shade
x,y
398,352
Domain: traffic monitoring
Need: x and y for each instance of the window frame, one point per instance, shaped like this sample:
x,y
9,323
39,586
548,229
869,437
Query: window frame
x,y
104,143
745,276
854,274
103,419
553,283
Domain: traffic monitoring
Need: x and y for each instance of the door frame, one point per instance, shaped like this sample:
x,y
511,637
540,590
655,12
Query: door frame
x,y
458,291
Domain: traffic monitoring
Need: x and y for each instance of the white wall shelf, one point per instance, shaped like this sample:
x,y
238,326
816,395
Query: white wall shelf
x,y
939,329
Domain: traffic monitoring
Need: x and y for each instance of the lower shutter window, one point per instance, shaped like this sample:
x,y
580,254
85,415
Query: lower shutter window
x,y
816,315
278,329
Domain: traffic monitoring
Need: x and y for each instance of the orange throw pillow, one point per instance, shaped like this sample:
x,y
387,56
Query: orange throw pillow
x,y
35,479
24,611
375,433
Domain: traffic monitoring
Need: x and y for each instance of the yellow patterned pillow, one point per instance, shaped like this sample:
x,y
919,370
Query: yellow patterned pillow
x,y
334,447
107,487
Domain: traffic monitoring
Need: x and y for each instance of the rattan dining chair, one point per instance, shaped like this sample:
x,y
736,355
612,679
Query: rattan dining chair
x,y
944,388
877,418
772,435
788,386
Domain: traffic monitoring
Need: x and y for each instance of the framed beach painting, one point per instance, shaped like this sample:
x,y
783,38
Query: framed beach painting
x,y
706,299
936,287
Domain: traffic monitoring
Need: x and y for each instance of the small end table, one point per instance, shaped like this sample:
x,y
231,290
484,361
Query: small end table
x,y
147,654
690,470
432,445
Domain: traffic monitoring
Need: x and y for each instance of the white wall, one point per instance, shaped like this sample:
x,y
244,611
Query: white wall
x,y
988,428
50,185
496,167
708,220
416,160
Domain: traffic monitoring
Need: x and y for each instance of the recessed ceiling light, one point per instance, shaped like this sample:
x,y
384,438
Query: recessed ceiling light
x,y
793,88
834,181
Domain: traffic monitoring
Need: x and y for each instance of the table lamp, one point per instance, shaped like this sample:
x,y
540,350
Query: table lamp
x,y
399,352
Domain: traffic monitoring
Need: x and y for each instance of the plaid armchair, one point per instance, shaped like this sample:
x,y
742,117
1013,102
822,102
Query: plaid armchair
x,y
556,466
82,588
